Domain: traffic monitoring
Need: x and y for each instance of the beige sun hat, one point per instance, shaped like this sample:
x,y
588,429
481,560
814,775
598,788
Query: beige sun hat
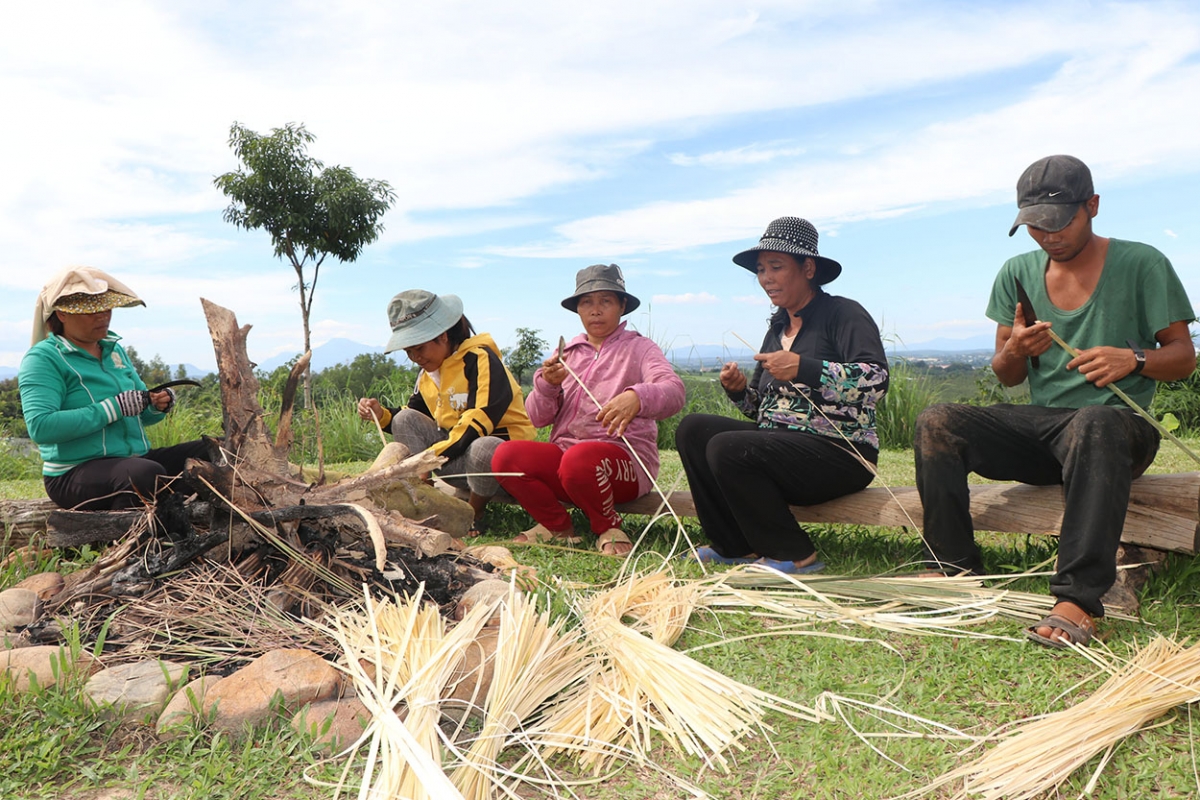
x,y
80,290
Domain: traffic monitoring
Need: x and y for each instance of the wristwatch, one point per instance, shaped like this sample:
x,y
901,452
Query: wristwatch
x,y
1139,354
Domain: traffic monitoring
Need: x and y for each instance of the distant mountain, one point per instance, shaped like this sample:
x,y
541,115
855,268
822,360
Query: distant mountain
x,y
707,355
191,370
942,345
332,353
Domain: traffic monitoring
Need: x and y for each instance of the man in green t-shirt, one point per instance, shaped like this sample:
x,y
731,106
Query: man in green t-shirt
x,y
1123,307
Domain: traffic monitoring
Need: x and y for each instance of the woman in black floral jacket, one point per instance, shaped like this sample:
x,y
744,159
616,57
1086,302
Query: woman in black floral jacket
x,y
820,374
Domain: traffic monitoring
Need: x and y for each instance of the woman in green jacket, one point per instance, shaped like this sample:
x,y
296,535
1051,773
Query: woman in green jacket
x,y
84,404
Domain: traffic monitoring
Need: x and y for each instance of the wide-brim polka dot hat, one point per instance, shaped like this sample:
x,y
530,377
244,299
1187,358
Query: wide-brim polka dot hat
x,y
796,237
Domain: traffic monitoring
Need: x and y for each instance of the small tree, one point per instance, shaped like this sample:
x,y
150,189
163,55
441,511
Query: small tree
x,y
526,355
310,211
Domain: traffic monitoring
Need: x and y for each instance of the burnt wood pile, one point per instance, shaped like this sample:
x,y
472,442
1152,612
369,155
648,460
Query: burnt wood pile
x,y
250,511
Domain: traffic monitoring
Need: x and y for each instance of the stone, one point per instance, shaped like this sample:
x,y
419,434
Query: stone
x,y
47,664
1136,563
471,680
335,724
138,689
489,592
250,696
184,707
18,608
44,584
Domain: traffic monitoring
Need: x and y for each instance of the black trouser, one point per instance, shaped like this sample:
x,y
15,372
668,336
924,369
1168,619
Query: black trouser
x,y
114,483
743,478
1095,452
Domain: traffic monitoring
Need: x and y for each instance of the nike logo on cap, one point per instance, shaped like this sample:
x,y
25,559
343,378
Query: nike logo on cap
x,y
1052,194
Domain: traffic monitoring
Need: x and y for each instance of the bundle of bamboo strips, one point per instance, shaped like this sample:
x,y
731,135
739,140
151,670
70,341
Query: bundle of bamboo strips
x,y
937,605
641,686
1041,753
402,654
534,661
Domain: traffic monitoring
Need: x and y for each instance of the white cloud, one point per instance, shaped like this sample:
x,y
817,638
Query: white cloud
x,y
1171,233
498,120
737,157
689,298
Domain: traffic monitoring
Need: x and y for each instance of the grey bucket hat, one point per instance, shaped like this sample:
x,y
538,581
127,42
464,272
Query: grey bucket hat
x,y
796,237
600,278
418,316
1050,191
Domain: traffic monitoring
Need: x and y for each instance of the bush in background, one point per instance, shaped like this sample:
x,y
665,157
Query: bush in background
x,y
1181,398
909,392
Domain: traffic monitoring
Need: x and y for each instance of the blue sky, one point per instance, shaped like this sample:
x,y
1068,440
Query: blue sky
x,y
526,141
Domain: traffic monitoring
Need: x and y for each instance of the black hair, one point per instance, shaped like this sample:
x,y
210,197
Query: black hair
x,y
459,332
54,323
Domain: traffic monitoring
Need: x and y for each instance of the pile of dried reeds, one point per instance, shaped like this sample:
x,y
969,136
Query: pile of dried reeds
x,y
1038,755
211,615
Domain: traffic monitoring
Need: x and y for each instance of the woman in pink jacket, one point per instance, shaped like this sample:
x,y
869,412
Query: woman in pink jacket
x,y
603,447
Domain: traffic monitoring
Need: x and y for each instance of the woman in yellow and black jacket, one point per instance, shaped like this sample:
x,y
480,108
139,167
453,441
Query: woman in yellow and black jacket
x,y
466,401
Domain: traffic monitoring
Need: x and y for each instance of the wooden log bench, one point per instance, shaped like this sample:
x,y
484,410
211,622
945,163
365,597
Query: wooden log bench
x,y
1164,510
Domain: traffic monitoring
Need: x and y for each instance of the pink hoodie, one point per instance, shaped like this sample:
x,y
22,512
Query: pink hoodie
x,y
626,360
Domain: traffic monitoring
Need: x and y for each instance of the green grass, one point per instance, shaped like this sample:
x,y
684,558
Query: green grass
x,y
58,745
52,745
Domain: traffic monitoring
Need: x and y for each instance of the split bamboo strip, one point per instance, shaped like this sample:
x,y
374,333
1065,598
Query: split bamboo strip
x,y
1039,755
1129,401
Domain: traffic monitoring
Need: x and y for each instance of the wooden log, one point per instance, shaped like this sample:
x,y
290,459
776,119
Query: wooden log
x,y
283,437
22,519
398,529
1164,510
76,528
246,433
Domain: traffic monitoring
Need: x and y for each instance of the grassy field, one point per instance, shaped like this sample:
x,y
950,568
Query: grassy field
x,y
53,745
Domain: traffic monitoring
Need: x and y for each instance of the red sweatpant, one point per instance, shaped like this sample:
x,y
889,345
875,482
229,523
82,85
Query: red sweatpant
x,y
594,476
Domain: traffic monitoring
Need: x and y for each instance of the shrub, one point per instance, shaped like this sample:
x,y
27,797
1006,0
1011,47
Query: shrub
x,y
704,396
1181,398
909,392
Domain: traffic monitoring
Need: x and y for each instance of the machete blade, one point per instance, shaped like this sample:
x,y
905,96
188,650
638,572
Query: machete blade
x,y
1029,314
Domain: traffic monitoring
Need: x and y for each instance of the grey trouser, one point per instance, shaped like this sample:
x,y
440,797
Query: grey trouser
x,y
468,471
1093,452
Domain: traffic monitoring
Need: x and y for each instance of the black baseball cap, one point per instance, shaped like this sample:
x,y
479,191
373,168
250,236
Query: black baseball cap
x,y
1050,191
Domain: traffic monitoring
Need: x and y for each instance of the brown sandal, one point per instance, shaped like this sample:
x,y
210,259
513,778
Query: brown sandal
x,y
540,534
609,543
1073,632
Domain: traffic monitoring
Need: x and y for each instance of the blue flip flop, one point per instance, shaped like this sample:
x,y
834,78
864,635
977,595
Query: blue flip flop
x,y
789,567
706,555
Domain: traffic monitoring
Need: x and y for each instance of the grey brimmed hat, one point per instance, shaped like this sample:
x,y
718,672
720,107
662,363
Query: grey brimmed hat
x,y
600,278
418,316
1050,191
796,237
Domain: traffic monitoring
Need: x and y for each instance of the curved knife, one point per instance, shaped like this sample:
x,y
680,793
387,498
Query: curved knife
x,y
1029,314
169,384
